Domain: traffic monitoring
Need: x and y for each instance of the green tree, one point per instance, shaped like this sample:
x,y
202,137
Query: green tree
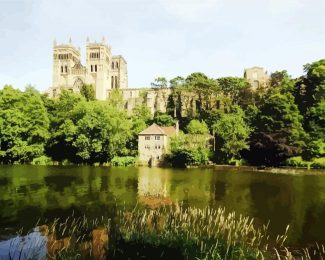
x,y
88,92
23,125
163,119
197,127
140,119
160,82
238,89
278,127
232,132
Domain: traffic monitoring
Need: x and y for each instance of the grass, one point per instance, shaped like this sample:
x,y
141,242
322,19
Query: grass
x,y
169,232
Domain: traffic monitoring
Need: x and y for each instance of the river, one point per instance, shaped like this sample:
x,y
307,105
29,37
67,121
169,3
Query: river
x,y
28,193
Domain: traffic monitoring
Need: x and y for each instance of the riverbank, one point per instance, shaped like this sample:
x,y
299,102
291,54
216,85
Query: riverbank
x,y
279,170
170,232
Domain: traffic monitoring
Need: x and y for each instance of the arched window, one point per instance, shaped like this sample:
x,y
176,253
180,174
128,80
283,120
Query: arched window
x,y
112,82
95,68
112,65
116,83
61,69
117,65
256,84
66,69
91,68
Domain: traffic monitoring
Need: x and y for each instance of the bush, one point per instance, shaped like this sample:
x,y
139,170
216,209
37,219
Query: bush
x,y
297,161
42,160
123,161
318,163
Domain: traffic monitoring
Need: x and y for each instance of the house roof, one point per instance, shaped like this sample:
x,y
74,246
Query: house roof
x,y
155,129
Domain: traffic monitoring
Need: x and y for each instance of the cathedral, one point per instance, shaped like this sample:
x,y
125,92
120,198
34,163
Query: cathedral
x,y
102,70
106,72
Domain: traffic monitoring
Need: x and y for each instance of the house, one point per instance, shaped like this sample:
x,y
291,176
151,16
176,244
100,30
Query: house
x,y
153,143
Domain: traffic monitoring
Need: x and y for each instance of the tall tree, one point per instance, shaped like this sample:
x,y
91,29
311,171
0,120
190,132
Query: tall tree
x,y
24,125
232,133
88,92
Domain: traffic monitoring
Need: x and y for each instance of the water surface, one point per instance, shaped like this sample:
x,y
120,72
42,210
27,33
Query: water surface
x,y
28,193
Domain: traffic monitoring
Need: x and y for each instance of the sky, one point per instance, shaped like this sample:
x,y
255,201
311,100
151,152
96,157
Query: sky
x,y
162,37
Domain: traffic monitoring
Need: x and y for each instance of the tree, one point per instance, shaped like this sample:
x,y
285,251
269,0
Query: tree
x,y
235,88
232,132
24,125
197,127
278,127
188,150
160,82
140,118
310,97
88,92
163,119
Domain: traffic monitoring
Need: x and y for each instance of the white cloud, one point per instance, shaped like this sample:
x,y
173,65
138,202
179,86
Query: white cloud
x,y
285,6
190,10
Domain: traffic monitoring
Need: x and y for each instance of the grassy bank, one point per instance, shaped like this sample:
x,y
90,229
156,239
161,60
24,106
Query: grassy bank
x,y
172,232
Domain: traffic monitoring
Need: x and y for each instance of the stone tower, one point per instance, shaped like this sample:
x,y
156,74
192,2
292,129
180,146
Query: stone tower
x,y
256,76
103,70
98,56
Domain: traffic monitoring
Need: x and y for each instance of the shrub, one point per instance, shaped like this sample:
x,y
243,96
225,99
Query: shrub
x,y
123,161
42,160
318,163
297,161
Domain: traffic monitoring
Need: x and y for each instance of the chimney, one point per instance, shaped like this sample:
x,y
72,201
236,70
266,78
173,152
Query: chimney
x,y
177,127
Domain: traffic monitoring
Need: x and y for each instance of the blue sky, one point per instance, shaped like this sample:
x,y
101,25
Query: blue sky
x,y
163,37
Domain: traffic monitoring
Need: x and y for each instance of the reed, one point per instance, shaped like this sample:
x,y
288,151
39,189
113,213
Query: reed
x,y
168,232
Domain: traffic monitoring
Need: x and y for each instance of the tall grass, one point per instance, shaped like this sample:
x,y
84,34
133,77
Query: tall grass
x,y
170,232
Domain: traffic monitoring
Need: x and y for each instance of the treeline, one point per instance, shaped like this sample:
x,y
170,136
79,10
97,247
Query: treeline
x,y
278,124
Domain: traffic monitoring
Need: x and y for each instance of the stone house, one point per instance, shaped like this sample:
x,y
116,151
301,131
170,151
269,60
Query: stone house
x,y
153,143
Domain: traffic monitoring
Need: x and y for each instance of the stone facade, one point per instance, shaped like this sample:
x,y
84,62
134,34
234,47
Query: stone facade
x,y
103,70
153,143
256,76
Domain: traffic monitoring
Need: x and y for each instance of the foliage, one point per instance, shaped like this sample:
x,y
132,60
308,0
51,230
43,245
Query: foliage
x,y
297,161
160,82
232,132
42,160
279,132
264,127
318,163
197,127
163,119
88,92
190,149
123,161
24,125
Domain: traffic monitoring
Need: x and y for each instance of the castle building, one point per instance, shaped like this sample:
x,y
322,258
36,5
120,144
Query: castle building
x,y
256,76
103,70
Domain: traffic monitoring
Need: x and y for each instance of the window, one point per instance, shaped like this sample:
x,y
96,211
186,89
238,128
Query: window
x,y
66,69
112,65
95,68
112,82
91,68
147,138
61,69
116,83
157,137
147,147
117,65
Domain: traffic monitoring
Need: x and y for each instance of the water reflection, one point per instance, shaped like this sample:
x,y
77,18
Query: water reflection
x,y
30,192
